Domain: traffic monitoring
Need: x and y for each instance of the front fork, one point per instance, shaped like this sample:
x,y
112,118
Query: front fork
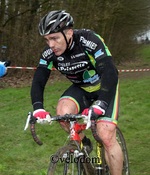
x,y
99,160
75,129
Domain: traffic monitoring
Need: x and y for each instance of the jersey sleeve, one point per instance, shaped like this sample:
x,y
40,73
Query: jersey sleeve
x,y
102,60
96,46
38,85
46,59
40,78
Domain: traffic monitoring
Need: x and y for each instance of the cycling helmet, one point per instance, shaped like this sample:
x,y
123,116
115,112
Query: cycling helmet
x,y
55,21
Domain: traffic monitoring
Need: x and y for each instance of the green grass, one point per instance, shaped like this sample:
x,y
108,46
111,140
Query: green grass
x,y
134,122
19,155
144,53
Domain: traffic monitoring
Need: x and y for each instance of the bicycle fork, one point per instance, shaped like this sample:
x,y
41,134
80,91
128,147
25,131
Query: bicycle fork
x,y
99,161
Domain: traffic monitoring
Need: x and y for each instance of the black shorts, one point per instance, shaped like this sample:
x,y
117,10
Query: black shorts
x,y
84,99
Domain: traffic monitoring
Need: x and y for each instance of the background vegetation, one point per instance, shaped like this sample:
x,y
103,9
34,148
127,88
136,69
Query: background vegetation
x,y
20,155
117,21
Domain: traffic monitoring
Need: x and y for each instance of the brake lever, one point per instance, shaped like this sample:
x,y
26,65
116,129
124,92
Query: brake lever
x,y
28,121
88,125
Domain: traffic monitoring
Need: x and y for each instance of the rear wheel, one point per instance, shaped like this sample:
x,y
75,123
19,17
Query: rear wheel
x,y
122,143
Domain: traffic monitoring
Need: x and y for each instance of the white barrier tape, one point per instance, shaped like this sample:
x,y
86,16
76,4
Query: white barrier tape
x,y
134,70
25,68
123,70
15,67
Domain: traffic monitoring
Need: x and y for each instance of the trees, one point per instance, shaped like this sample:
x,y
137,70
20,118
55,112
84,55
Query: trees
x,y
117,21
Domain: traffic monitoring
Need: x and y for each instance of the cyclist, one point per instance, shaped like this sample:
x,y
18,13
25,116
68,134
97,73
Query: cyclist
x,y
3,69
82,56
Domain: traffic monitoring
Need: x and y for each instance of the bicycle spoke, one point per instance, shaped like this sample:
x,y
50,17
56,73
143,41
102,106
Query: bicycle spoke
x,y
66,163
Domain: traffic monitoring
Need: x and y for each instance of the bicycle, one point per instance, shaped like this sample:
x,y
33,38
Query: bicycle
x,y
73,158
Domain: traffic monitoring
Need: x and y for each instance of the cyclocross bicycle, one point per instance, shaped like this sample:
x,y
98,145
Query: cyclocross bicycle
x,y
74,158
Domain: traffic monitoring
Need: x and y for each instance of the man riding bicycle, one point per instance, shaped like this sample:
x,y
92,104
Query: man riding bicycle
x,y
82,56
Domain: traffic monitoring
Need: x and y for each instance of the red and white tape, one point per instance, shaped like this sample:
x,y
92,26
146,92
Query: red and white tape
x,y
134,70
15,67
25,68
123,70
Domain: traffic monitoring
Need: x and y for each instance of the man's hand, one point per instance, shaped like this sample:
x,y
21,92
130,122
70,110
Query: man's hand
x,y
42,116
98,109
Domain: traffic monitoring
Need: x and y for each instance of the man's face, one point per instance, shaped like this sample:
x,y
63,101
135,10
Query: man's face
x,y
57,42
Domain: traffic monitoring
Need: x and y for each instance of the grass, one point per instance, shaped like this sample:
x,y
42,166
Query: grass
x,y
134,117
141,59
19,154
144,52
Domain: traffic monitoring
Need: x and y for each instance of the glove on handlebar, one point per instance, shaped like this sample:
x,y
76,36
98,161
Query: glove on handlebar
x,y
98,109
42,116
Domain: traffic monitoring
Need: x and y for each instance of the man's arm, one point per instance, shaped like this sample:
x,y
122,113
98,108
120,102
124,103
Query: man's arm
x,y
109,78
38,84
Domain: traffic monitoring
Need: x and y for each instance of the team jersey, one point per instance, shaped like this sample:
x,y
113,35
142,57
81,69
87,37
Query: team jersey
x,y
85,63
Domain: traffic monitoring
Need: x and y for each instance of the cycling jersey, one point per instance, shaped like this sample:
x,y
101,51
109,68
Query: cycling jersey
x,y
87,64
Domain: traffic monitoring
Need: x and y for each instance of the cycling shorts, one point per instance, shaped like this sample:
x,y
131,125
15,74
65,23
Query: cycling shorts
x,y
84,99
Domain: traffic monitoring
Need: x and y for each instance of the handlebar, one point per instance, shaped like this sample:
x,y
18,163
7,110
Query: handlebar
x,y
67,117
32,121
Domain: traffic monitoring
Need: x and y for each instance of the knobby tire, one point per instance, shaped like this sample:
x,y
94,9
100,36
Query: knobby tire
x,y
121,141
69,168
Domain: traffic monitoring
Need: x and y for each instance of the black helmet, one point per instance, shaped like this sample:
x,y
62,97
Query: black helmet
x,y
55,21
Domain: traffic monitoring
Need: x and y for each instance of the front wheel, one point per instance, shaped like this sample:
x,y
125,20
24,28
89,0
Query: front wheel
x,y
69,160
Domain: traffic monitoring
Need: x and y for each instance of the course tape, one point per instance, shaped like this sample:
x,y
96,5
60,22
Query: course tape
x,y
123,70
134,70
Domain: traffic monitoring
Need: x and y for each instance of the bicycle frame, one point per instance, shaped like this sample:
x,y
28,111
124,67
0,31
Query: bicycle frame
x,y
76,128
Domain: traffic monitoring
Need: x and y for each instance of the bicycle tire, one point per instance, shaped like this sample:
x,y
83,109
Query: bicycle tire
x,y
67,165
121,141
120,138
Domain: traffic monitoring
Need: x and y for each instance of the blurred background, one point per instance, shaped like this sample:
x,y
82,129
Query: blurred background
x,y
124,25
